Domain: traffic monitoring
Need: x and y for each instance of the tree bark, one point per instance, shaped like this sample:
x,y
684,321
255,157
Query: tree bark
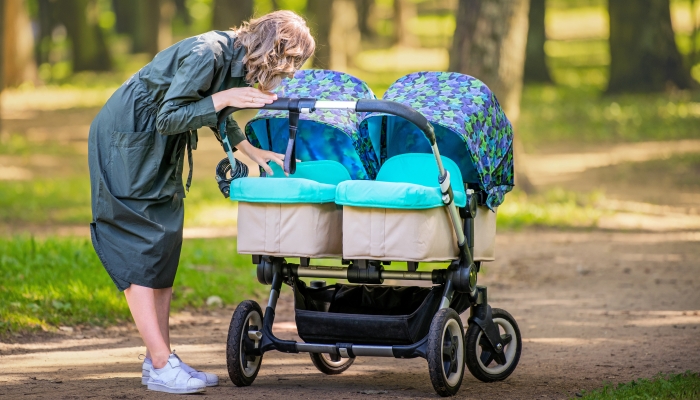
x,y
165,24
643,52
88,46
364,18
2,53
319,14
404,11
489,43
230,13
146,25
535,57
18,44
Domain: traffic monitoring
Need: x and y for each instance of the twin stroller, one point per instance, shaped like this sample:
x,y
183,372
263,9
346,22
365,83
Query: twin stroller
x,y
417,178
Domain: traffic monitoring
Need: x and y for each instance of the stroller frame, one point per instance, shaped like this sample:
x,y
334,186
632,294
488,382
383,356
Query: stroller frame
x,y
459,277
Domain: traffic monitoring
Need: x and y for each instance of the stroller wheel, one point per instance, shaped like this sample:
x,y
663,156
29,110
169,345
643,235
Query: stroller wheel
x,y
446,352
326,364
479,360
242,367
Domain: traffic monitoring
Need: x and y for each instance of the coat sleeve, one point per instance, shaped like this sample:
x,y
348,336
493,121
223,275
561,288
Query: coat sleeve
x,y
186,105
233,131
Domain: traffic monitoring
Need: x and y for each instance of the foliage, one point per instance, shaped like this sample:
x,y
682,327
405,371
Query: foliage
x,y
60,281
554,208
676,386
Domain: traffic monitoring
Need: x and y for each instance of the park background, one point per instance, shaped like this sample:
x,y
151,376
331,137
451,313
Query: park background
x,y
603,96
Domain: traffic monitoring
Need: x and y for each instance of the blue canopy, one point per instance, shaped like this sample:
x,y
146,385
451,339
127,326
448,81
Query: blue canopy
x,y
470,126
323,134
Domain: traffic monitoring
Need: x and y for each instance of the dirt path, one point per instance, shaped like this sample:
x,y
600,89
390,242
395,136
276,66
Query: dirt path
x,y
592,307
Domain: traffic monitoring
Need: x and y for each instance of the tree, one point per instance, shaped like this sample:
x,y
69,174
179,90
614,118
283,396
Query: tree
x,y
489,43
535,57
334,26
88,46
2,52
404,11
228,13
643,52
364,15
318,12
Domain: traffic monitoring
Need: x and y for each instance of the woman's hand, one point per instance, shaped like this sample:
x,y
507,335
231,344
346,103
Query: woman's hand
x,y
262,157
245,97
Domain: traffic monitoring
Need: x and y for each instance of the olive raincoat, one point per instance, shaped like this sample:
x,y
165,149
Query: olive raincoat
x,y
136,153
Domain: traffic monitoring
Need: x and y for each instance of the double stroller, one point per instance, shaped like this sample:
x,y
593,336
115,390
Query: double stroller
x,y
414,179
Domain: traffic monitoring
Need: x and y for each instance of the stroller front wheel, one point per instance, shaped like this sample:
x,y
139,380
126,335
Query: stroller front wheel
x,y
445,352
326,364
242,367
479,351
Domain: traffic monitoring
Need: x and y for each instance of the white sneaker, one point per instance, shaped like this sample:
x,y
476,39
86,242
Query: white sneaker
x,y
208,378
172,378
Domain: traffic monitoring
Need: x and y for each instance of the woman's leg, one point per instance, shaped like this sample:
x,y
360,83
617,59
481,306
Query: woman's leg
x,y
142,303
163,297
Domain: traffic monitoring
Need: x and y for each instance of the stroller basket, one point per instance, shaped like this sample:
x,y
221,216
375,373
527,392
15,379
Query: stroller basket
x,y
367,314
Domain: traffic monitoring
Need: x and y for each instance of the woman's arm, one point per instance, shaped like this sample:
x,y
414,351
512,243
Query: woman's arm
x,y
186,106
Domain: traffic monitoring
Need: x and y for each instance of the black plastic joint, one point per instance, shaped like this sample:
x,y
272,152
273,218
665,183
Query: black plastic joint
x,y
362,271
345,349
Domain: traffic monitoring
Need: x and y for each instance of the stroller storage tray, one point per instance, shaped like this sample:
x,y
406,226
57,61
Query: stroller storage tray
x,y
367,314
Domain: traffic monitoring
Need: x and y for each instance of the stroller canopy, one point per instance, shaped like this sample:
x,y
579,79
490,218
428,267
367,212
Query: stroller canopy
x,y
323,134
470,126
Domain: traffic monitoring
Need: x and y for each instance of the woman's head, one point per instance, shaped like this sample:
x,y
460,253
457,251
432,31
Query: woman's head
x,y
277,45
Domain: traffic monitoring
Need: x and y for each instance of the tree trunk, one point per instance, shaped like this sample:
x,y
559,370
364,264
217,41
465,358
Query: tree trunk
x,y
535,58
146,26
344,35
404,11
2,53
18,48
489,44
318,12
165,24
364,18
125,14
229,13
643,52
88,46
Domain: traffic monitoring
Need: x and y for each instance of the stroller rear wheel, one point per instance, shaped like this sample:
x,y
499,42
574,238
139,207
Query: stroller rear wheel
x,y
326,364
446,352
479,351
243,368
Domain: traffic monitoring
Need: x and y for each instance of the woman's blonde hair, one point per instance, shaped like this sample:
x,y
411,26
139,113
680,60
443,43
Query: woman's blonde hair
x,y
277,45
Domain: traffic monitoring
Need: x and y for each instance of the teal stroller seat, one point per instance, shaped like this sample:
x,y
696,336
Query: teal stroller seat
x,y
401,215
296,216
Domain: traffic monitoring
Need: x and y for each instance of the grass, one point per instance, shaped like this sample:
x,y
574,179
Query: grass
x,y
60,281
553,208
678,386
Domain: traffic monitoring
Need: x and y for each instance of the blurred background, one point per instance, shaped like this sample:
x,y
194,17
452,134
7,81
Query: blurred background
x,y
603,96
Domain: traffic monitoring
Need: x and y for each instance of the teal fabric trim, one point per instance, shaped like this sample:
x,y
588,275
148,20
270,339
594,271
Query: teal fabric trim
x,y
376,194
406,181
284,191
313,182
322,171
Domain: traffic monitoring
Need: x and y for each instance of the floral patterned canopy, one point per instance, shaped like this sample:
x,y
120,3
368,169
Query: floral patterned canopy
x,y
323,134
465,106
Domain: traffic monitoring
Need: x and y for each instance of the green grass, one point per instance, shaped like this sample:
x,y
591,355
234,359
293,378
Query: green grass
x,y
553,208
561,115
46,201
60,281
680,386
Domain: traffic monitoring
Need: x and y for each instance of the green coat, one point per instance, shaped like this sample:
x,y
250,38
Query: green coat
x,y
136,153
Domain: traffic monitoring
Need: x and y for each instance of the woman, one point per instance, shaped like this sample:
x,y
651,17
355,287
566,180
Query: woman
x,y
136,153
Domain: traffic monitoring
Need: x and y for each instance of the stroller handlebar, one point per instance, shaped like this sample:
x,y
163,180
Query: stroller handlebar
x,y
307,105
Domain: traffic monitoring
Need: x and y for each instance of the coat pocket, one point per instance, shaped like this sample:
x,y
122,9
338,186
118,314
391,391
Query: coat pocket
x,y
133,163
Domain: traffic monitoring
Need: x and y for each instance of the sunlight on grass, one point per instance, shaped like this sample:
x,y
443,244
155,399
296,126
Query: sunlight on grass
x,y
680,386
554,208
60,281
48,98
